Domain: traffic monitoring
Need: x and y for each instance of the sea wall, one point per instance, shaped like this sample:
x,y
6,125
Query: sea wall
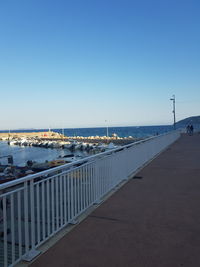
x,y
54,136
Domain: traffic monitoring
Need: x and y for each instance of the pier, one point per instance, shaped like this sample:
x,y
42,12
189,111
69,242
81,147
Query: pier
x,y
153,220
37,208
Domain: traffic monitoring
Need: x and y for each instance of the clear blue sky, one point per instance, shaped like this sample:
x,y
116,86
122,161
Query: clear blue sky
x,y
78,63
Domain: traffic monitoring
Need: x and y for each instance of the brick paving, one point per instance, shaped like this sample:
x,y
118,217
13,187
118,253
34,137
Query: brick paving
x,y
152,221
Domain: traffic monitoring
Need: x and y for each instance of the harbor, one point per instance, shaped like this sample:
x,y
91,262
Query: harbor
x,y
25,153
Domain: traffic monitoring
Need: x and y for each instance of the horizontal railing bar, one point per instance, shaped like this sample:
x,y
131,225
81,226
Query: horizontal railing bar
x,y
12,192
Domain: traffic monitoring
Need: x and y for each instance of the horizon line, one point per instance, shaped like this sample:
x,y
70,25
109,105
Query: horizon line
x,y
87,127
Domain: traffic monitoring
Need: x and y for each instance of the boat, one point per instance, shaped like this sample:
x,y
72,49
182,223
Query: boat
x,y
57,162
111,146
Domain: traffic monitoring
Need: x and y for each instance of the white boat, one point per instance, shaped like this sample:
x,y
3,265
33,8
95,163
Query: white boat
x,y
12,142
72,158
111,146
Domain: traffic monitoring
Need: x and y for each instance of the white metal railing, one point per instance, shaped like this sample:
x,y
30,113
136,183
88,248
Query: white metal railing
x,y
37,206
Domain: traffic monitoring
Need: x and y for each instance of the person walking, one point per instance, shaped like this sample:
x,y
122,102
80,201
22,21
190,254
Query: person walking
x,y
191,129
188,129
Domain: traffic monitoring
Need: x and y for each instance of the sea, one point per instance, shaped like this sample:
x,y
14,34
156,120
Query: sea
x,y
22,154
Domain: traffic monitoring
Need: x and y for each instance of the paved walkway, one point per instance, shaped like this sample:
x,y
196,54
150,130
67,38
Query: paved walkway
x,y
152,221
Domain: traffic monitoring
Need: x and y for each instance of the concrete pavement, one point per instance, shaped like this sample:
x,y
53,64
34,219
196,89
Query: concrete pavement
x,y
152,221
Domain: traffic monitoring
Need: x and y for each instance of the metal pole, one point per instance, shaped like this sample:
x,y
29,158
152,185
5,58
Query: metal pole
x,y
174,110
174,113
106,129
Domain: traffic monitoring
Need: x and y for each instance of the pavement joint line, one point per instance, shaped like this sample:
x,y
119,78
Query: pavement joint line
x,y
104,218
137,177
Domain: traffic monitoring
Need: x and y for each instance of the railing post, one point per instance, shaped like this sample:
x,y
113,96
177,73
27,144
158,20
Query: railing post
x,y
5,232
30,254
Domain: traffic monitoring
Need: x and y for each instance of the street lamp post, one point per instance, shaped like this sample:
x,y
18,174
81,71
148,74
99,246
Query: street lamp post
x,y
63,133
174,110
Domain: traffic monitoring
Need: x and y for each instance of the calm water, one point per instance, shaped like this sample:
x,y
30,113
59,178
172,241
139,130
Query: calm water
x,y
22,154
142,131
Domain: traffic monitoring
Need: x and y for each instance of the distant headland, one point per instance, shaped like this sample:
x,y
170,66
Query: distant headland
x,y
195,120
